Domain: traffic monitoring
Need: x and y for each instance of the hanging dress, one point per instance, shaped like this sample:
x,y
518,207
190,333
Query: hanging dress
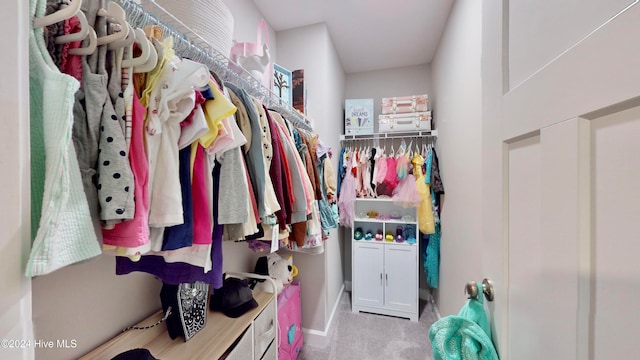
x,y
406,193
62,226
425,211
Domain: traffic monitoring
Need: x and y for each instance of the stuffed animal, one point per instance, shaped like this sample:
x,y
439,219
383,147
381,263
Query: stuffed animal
x,y
280,270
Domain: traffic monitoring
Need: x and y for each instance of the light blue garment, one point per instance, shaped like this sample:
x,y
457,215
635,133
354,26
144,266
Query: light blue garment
x,y
466,336
427,165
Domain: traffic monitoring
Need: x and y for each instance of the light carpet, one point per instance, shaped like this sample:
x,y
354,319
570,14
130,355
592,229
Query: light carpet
x,y
365,336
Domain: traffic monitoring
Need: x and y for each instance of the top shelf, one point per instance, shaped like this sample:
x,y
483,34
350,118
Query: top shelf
x,y
393,135
149,12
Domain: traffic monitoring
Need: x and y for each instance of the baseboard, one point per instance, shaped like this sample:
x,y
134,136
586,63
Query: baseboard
x,y
335,308
317,338
425,295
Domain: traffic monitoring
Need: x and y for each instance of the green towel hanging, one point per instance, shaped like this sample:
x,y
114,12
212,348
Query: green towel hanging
x,y
466,336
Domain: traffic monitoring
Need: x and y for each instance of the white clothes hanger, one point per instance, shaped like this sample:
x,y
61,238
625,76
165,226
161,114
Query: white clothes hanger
x,y
116,14
124,43
402,148
58,16
145,47
89,49
152,61
83,33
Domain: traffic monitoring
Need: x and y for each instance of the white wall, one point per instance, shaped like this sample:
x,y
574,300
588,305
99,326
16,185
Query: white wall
x,y
409,80
245,21
329,132
310,48
457,113
539,31
15,301
79,291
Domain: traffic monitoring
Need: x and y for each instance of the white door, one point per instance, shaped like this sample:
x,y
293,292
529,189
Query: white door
x,y
401,277
567,274
368,274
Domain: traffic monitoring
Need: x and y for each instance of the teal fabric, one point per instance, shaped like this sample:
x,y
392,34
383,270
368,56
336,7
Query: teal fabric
x,y
326,214
432,258
466,336
291,334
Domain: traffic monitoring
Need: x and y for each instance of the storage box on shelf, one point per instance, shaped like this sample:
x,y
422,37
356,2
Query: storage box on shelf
x,y
385,271
405,113
405,104
404,122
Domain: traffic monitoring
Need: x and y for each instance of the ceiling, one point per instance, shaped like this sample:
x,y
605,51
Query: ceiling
x,y
368,34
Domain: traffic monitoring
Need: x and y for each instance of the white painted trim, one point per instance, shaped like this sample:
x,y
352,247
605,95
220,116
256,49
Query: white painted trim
x,y
317,338
586,252
335,308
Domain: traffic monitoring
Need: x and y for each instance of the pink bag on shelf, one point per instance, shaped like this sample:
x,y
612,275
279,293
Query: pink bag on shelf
x,y
254,57
405,104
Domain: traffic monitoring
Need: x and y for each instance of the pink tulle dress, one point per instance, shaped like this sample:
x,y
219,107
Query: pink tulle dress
x,y
406,193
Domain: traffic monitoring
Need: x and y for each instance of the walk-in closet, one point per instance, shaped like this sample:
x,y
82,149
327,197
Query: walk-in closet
x,y
246,179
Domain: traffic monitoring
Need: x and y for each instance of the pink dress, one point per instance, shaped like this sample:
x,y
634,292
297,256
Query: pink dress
x,y
391,179
202,227
406,193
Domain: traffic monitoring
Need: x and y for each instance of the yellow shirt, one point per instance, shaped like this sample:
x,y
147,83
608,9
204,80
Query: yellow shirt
x,y
215,111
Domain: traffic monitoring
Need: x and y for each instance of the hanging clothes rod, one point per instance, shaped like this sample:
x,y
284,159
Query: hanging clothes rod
x,y
433,134
190,45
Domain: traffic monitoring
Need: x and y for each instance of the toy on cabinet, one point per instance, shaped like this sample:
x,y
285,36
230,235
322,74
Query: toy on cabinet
x,y
281,270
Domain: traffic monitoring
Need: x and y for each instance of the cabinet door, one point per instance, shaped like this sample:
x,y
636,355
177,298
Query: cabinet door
x,y
368,274
401,277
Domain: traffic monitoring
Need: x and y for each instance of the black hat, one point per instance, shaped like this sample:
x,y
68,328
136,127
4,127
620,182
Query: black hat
x,y
135,354
234,298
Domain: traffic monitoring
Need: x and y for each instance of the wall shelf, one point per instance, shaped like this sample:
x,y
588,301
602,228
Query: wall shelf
x,y
432,134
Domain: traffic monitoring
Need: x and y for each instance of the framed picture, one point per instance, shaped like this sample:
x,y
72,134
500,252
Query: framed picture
x,y
358,116
282,80
299,91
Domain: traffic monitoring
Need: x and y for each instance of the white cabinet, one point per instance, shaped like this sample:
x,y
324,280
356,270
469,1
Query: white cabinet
x,y
385,273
